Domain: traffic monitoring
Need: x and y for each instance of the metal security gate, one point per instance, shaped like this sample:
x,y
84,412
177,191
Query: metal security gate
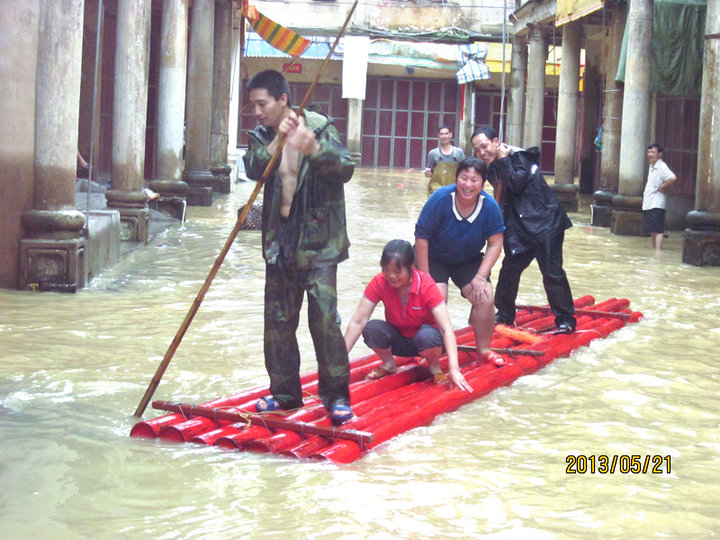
x,y
401,118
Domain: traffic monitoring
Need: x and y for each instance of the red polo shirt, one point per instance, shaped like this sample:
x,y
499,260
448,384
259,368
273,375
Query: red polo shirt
x,y
424,295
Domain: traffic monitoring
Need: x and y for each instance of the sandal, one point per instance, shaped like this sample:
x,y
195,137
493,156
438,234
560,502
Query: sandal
x,y
341,413
379,373
494,358
439,378
267,404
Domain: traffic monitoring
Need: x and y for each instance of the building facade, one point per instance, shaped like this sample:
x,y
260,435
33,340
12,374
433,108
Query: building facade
x,y
151,94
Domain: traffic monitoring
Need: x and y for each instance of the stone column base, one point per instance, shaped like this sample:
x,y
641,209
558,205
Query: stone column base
x,y
601,211
222,182
627,223
52,253
567,196
627,217
600,215
52,264
134,213
701,248
200,187
134,224
172,199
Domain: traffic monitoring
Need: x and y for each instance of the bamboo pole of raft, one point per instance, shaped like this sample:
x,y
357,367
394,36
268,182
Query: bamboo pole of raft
x,y
588,312
266,420
233,234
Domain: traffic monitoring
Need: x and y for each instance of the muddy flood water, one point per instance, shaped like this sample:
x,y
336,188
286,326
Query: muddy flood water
x,y
73,368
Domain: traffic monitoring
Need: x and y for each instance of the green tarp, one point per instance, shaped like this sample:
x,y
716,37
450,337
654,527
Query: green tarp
x,y
677,48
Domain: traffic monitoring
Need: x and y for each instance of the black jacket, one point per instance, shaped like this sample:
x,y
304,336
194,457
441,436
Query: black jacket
x,y
530,209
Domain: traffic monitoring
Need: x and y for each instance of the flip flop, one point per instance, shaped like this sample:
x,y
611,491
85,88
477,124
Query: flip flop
x,y
267,404
341,413
494,358
379,373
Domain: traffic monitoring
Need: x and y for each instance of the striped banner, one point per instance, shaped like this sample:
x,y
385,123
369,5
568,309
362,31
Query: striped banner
x,y
277,35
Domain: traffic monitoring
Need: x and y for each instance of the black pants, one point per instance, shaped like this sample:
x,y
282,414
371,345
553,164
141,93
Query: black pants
x,y
550,260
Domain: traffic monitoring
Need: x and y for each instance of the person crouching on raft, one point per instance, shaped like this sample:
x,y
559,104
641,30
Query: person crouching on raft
x,y
453,228
417,322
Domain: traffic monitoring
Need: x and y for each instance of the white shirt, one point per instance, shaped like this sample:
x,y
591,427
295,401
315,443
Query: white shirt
x,y
657,175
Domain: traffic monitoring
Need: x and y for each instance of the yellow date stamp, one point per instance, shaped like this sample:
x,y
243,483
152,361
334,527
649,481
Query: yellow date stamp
x,y
622,463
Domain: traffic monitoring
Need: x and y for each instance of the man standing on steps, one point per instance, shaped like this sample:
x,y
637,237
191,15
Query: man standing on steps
x,y
535,227
303,239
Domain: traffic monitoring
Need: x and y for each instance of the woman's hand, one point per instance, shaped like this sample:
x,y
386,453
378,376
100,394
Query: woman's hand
x,y
459,380
478,291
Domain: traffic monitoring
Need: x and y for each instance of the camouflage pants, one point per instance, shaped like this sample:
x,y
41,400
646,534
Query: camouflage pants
x,y
284,291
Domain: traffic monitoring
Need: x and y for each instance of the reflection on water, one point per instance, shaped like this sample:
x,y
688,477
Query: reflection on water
x,y
74,368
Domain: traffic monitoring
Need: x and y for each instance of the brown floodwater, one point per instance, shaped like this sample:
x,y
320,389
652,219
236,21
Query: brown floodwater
x,y
74,367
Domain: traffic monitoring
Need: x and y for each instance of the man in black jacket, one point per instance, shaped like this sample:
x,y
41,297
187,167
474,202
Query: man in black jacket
x,y
535,227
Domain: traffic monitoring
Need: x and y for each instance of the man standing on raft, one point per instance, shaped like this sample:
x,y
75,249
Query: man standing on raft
x,y
303,238
535,227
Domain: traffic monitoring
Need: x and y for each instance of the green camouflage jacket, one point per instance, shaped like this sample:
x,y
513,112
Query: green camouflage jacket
x,y
317,215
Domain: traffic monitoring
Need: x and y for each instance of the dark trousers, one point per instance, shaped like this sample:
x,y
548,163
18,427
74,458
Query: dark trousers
x,y
550,260
284,291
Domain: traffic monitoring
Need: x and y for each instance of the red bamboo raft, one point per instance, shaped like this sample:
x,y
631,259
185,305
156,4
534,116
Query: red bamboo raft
x,y
384,407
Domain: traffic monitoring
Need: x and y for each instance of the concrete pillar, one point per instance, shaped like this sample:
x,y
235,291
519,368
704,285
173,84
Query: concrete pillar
x,y
171,108
627,215
516,105
535,95
52,251
591,103
235,100
567,117
129,120
701,241
19,42
199,103
612,115
354,129
222,68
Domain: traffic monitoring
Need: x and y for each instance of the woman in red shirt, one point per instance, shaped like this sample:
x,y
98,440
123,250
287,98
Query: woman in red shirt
x,y
417,322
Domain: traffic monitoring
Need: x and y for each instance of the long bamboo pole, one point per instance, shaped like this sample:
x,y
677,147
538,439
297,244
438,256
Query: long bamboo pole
x,y
224,251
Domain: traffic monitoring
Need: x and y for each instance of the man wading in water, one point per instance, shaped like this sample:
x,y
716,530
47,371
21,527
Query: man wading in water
x,y
304,238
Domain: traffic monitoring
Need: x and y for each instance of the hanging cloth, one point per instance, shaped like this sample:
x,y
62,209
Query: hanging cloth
x,y
677,48
472,55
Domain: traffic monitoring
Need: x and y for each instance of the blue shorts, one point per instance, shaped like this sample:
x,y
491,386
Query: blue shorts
x,y
379,334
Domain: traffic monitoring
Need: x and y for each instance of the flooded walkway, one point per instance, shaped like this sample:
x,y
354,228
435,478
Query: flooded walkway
x,y
74,368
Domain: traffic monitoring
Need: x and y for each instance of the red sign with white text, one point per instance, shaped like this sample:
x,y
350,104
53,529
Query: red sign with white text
x,y
292,68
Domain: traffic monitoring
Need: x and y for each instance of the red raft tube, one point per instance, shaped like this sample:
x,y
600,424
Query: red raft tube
x,y
232,423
